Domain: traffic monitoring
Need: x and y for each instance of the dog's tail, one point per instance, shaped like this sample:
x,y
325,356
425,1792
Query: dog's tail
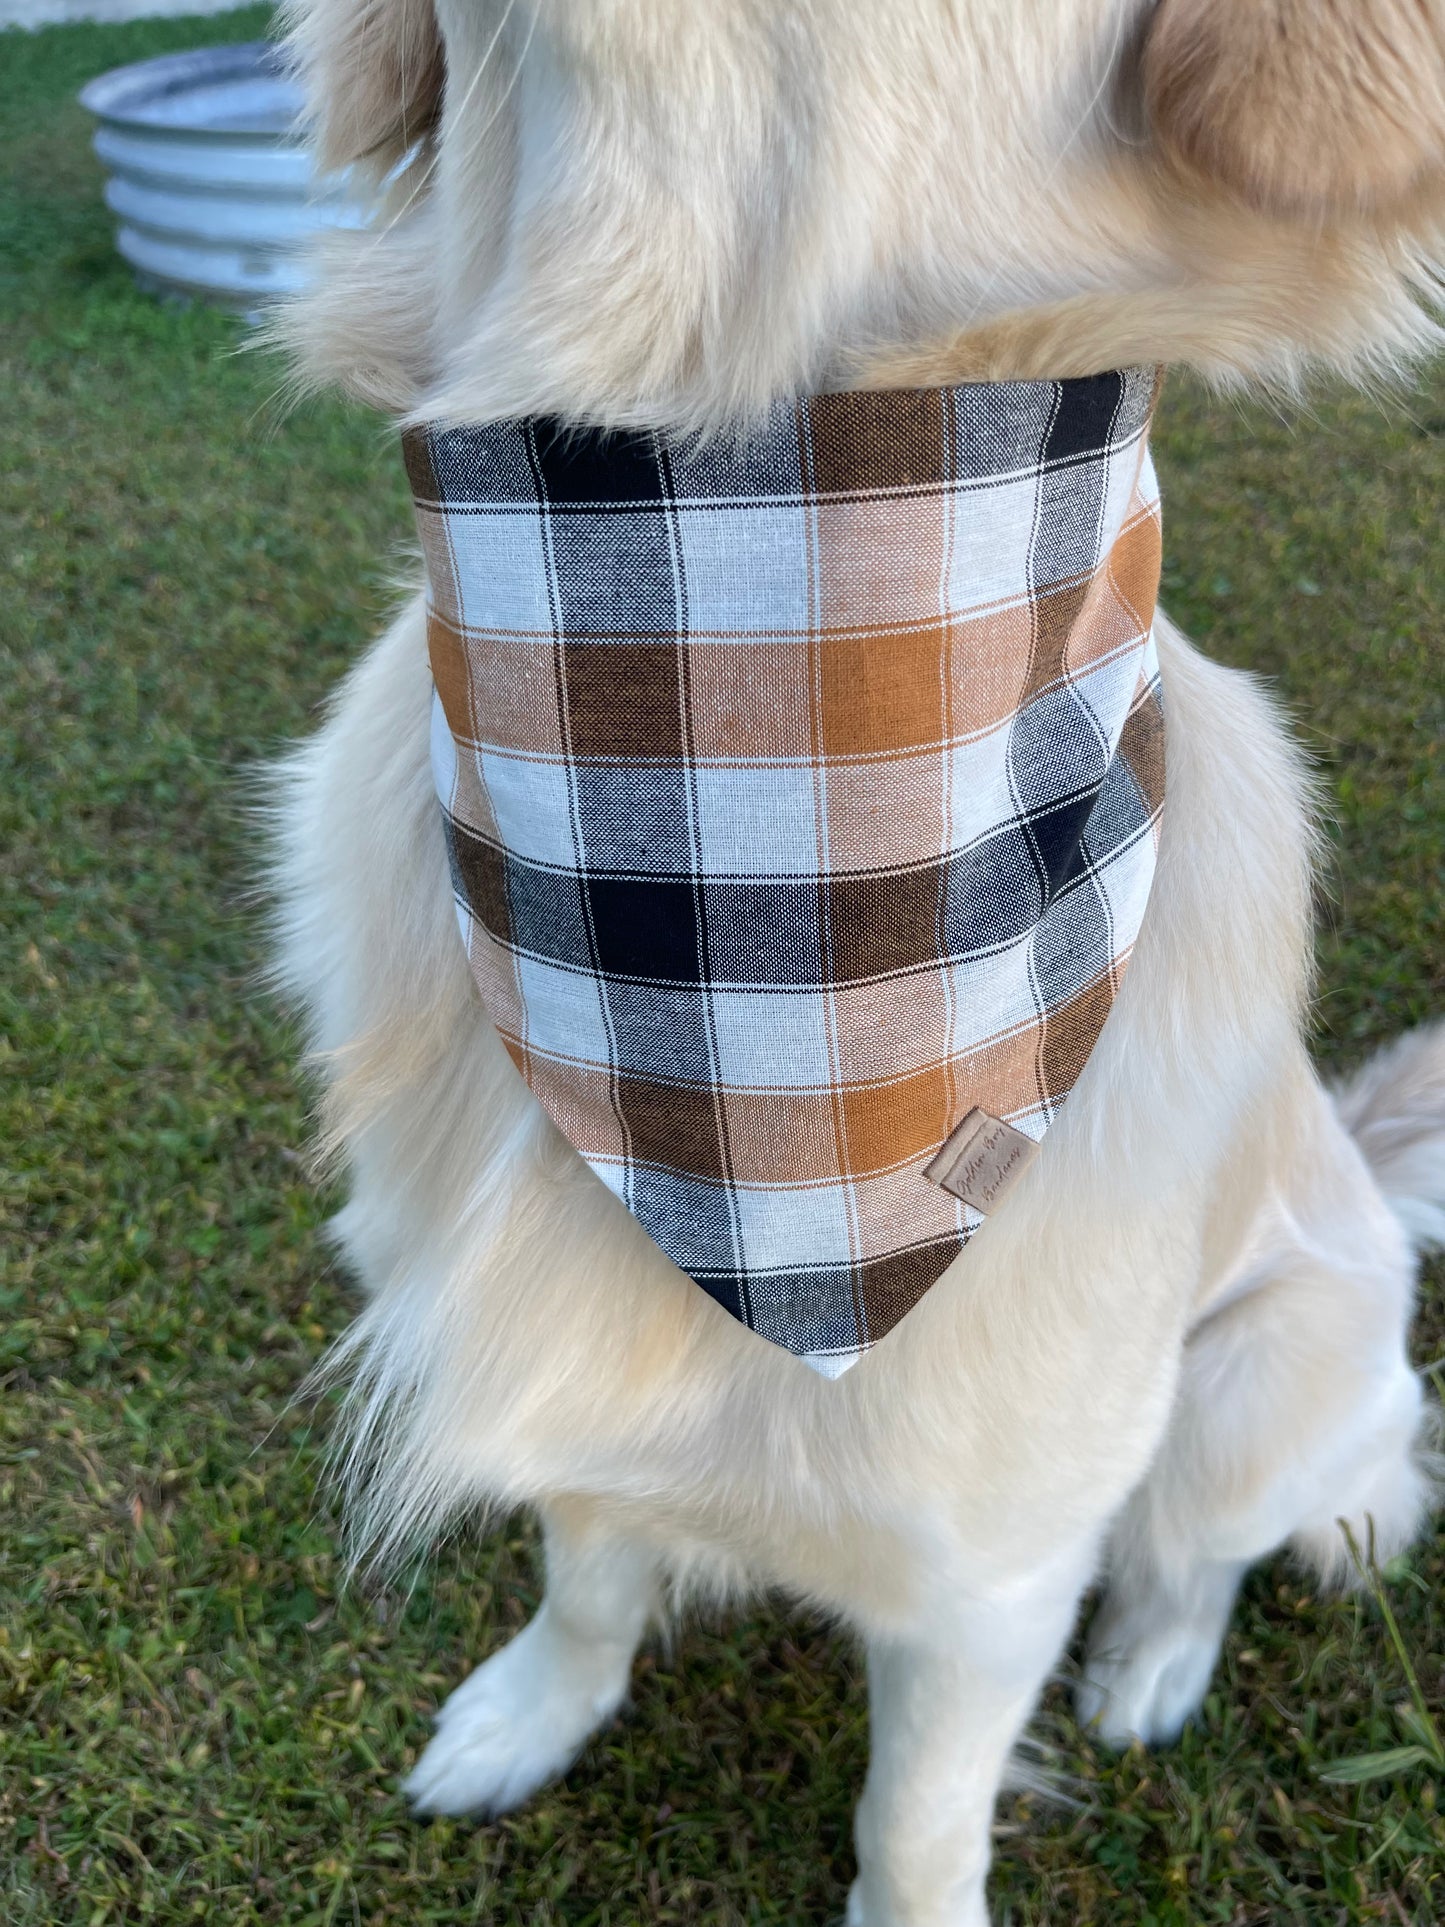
x,y
1394,1108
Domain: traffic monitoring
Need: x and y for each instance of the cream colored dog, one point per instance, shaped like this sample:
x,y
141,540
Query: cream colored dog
x,y
1183,1343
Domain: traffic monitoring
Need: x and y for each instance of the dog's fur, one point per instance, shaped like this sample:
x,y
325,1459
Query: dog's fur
x,y
1183,1342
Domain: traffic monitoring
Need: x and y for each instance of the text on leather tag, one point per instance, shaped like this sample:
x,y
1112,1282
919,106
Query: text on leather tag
x,y
980,1160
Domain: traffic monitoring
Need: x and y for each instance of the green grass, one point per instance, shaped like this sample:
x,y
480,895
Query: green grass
x,y
200,1719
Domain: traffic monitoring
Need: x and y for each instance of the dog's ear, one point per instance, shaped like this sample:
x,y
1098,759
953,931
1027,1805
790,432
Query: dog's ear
x,y
1307,107
373,72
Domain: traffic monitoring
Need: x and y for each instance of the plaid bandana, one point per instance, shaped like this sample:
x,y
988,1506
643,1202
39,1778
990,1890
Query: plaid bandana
x,y
802,792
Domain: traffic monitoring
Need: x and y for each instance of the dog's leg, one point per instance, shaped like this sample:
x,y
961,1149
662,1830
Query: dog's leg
x,y
525,1714
947,1706
1297,1408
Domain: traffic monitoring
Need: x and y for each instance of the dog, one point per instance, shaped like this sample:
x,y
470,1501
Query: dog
x,y
1182,1345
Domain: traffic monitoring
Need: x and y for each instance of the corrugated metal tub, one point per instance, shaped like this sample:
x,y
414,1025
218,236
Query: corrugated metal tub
x,y
211,187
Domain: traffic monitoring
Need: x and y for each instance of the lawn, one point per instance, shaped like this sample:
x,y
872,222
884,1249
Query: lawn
x,y
202,1719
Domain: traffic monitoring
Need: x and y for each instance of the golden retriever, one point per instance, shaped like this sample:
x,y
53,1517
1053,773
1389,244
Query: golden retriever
x,y
1183,1344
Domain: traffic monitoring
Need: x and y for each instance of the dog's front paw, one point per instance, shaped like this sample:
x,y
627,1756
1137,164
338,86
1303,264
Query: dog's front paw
x,y
866,1912
519,1721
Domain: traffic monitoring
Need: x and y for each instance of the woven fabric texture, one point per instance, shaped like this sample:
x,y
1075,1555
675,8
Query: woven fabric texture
x,y
802,792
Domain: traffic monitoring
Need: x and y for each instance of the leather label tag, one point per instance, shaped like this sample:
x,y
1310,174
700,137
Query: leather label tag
x,y
980,1160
